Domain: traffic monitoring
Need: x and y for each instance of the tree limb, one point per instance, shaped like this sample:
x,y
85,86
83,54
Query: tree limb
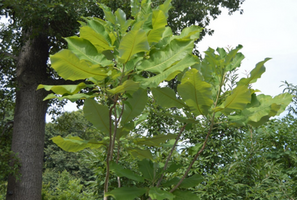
x,y
5,54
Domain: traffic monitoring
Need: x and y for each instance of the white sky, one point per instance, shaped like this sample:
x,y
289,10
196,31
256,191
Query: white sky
x,y
267,28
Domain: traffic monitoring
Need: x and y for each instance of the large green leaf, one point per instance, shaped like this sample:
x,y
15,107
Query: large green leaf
x,y
166,97
64,89
97,114
121,20
134,106
188,195
165,7
163,59
191,32
133,42
169,73
266,107
158,194
269,106
128,86
192,181
238,99
71,97
84,50
122,172
125,193
154,141
109,16
100,40
146,167
74,144
140,153
68,66
195,92
255,73
159,19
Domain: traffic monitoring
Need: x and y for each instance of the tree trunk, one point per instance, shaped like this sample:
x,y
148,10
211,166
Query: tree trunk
x,y
29,118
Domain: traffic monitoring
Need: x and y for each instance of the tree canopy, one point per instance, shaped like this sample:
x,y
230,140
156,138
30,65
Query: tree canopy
x,y
123,63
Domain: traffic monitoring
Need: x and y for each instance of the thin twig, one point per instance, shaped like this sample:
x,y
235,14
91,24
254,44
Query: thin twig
x,y
5,54
196,156
170,154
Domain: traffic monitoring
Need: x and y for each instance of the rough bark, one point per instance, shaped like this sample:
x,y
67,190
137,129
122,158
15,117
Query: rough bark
x,y
29,118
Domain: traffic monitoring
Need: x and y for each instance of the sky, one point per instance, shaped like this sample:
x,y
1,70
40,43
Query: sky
x,y
267,28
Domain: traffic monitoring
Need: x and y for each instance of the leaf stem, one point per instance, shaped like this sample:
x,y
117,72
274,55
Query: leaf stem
x,y
170,154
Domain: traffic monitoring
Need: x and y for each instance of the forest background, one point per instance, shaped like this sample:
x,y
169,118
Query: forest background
x,y
78,178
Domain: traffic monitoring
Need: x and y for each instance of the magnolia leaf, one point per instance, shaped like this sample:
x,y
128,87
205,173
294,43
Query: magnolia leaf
x,y
146,167
165,7
84,50
191,32
97,114
140,153
195,92
238,99
72,97
135,8
109,16
158,194
188,195
137,103
163,59
154,141
264,107
166,97
159,19
100,40
128,86
133,42
255,73
155,35
231,55
125,193
192,181
121,20
68,66
176,68
122,172
269,106
64,89
74,144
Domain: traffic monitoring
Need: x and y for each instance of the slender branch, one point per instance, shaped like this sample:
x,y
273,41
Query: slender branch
x,y
5,54
196,156
170,154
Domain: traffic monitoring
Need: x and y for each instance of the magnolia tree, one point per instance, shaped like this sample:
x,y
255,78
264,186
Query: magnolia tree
x,y
120,64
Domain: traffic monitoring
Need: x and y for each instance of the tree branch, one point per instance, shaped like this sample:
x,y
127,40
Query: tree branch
x,y
169,156
196,156
5,54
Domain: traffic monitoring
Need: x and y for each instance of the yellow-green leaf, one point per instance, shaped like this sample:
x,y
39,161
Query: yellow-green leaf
x,y
133,42
195,92
68,66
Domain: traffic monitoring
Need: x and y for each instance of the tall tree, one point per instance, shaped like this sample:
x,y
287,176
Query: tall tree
x,y
35,30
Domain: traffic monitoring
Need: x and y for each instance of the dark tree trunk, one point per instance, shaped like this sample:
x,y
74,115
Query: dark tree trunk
x,y
29,118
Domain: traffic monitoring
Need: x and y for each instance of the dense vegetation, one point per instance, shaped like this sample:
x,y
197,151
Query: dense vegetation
x,y
205,137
